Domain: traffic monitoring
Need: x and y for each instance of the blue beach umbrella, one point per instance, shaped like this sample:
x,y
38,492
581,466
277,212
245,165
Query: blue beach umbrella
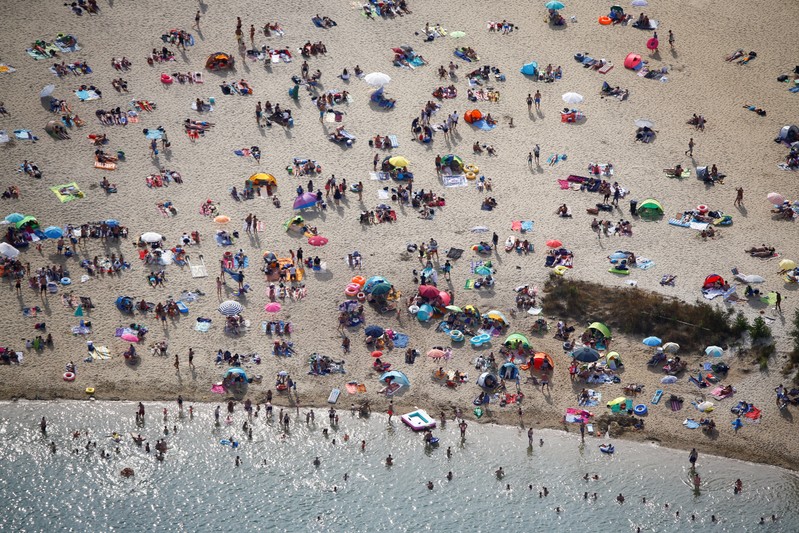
x,y
13,218
372,282
53,232
652,341
111,222
396,377
374,331
554,4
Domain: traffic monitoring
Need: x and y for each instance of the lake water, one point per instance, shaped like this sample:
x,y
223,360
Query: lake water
x,y
277,488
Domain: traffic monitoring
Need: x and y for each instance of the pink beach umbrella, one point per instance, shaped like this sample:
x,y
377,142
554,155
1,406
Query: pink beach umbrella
x,y
317,240
272,307
775,198
129,337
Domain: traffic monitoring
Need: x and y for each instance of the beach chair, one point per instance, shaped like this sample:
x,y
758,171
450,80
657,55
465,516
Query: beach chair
x,y
198,271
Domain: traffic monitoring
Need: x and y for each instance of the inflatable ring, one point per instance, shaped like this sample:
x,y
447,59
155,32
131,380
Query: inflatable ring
x,y
605,20
471,175
702,208
90,390
640,409
66,281
456,335
471,168
69,376
560,270
359,281
352,289
166,78
361,297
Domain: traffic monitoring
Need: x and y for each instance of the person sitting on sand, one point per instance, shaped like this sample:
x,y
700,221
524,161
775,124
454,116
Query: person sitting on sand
x,y
563,211
476,148
763,252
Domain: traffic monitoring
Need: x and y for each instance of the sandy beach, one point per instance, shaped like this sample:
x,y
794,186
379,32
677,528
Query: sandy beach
x,y
699,81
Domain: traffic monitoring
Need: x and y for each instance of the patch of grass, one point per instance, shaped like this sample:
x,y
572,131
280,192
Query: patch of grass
x,y
764,353
637,312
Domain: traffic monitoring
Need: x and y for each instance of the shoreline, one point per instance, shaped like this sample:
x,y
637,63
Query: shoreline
x,y
505,419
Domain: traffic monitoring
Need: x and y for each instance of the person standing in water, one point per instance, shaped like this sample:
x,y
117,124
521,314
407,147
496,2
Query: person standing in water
x,y
692,457
43,425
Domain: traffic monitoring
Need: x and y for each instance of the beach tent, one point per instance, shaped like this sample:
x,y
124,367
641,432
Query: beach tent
x,y
601,328
508,371
256,180
497,316
516,339
296,220
487,380
219,61
6,250
633,61
650,208
305,200
530,69
235,372
395,376
586,355
540,357
789,134
125,304
452,161
711,280
472,115
614,360
28,221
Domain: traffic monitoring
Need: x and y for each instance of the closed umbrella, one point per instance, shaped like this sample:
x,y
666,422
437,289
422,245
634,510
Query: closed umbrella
x,y
47,91
787,264
230,308
714,351
775,198
586,355
652,341
554,4
129,337
53,232
554,243
305,200
399,161
13,218
151,236
671,347
377,79
573,98
644,123
272,307
6,250
317,240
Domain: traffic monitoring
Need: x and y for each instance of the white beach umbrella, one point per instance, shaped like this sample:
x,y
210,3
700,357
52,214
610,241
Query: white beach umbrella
x,y
639,3
151,236
573,98
644,123
47,91
230,308
377,79
6,250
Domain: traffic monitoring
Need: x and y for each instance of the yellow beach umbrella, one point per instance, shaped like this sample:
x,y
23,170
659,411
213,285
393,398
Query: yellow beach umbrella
x,y
399,161
787,264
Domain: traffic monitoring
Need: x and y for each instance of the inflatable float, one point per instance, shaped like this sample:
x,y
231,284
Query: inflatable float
x,y
640,409
69,376
418,420
456,335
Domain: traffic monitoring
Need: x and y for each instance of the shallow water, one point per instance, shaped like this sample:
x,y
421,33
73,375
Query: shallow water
x,y
198,487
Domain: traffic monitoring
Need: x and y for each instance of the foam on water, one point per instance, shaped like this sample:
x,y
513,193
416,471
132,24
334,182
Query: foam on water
x,y
198,488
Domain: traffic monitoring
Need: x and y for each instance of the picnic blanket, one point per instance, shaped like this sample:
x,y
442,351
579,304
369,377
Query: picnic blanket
x,y
457,180
85,95
68,192
101,353
577,416
594,398
717,394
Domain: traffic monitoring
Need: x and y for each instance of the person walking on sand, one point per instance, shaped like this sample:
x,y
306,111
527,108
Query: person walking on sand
x,y
530,159
537,100
778,303
739,197
671,40
375,161
197,20
529,103
690,150
191,357
536,153
177,362
219,284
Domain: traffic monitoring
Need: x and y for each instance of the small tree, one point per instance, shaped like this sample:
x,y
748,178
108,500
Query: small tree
x,y
740,324
759,330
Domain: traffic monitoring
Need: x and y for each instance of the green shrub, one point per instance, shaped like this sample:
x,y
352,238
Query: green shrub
x,y
740,324
759,330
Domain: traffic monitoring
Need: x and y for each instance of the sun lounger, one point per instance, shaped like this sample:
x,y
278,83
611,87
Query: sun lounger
x,y
198,270
394,141
105,166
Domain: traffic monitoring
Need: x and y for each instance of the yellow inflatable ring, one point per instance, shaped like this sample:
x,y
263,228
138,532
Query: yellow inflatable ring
x,y
560,270
471,175
471,168
90,390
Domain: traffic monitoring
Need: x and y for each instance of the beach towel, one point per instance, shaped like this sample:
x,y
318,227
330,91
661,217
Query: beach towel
x,y
454,253
564,184
206,107
516,225
6,68
469,284
400,340
679,222
458,180
643,263
379,176
594,398
202,327
86,95
606,68
753,414
527,225
690,423
218,388
394,141
717,394
483,125
108,165
100,353
576,416
25,135
554,159
68,192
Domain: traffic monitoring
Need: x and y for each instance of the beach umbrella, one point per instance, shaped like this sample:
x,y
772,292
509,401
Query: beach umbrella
x,y
379,289
377,79
4,138
497,315
398,161
305,200
644,123
79,311
374,331
572,98
13,218
714,351
457,34
377,353
554,4
317,240
282,373
540,357
112,223
454,309
230,308
428,291
652,341
787,264
554,243
671,347
483,271
272,307
639,3
371,282
53,232
395,376
151,236
668,379
221,219
586,355
6,250
515,339
47,91
269,257
435,353
129,337
775,198
601,328
444,297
